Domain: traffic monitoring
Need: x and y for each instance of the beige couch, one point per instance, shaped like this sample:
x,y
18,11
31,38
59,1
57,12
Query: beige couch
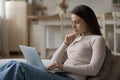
x,y
115,69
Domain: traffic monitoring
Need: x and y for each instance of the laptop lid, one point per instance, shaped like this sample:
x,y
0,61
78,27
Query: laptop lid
x,y
32,56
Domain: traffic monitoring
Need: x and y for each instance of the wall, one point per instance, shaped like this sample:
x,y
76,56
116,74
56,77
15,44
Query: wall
x,y
99,6
0,37
17,24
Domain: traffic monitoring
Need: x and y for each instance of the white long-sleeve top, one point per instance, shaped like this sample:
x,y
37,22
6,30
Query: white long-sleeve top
x,y
83,57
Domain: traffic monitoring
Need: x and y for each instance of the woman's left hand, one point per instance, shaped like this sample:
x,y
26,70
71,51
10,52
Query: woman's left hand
x,y
55,65
70,38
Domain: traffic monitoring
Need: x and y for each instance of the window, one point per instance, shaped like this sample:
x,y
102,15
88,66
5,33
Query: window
x,y
116,2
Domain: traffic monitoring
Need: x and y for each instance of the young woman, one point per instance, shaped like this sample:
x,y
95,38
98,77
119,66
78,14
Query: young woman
x,y
81,54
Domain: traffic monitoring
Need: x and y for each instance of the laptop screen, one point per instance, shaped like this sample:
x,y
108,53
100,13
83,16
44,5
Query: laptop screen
x,y
32,56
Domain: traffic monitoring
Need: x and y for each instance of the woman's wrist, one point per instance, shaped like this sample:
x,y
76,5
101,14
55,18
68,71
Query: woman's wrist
x,y
66,43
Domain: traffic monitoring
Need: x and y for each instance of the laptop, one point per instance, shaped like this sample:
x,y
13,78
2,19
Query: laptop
x,y
32,57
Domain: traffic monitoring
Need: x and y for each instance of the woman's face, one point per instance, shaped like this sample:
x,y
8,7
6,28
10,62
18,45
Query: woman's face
x,y
78,24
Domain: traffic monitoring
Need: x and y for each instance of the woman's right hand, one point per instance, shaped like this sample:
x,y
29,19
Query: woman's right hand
x,y
70,38
55,65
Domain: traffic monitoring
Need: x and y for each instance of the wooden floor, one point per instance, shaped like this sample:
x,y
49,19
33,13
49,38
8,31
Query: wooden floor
x,y
13,55
16,56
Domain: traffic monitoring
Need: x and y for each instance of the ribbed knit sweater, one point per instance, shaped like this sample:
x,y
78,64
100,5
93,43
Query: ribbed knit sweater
x,y
83,57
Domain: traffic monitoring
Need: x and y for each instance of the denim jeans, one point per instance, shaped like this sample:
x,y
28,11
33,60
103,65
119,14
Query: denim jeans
x,y
14,70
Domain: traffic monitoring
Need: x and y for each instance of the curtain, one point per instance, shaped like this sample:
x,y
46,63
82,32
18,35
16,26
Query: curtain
x,y
4,50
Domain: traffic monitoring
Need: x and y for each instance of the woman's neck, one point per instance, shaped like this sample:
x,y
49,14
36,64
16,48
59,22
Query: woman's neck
x,y
86,33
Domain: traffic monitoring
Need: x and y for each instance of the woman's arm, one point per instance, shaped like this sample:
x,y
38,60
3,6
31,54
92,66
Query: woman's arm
x,y
96,62
60,54
58,58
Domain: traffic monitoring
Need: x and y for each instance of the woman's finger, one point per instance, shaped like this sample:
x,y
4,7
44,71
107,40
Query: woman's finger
x,y
55,65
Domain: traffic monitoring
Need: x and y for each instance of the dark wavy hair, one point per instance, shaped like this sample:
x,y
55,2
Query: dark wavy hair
x,y
88,15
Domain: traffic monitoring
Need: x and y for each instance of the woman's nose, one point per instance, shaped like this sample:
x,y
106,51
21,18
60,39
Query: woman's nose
x,y
73,25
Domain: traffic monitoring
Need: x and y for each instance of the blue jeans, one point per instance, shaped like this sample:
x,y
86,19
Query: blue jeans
x,y
14,70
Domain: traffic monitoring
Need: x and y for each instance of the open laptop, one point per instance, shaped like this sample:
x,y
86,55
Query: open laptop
x,y
32,57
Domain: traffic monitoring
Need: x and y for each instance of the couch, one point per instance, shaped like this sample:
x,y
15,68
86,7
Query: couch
x,y
113,75
115,69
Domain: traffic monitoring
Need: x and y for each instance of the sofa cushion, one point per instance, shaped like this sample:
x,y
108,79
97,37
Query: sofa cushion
x,y
115,70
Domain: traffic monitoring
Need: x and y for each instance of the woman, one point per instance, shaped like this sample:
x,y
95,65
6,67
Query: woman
x,y
81,54
85,47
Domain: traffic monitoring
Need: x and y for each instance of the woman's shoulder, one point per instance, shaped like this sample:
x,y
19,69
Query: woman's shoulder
x,y
95,37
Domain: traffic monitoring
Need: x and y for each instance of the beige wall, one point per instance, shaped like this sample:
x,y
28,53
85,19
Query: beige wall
x,y
99,6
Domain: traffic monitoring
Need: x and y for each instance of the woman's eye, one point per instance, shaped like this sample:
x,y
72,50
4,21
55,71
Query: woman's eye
x,y
78,22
